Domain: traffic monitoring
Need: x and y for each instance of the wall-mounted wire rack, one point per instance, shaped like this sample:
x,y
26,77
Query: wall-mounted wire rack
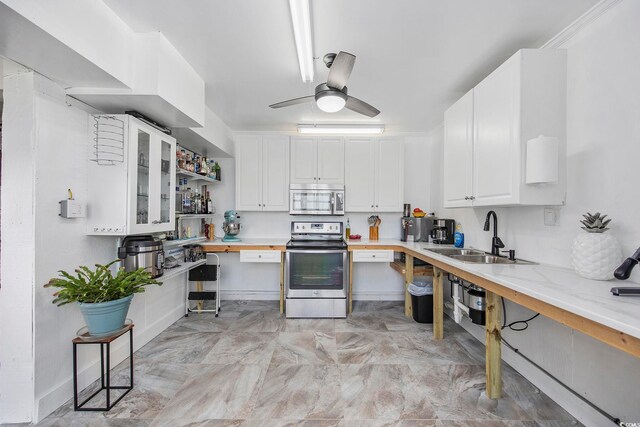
x,y
109,136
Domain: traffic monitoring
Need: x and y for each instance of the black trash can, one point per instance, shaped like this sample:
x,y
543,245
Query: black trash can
x,y
421,303
422,308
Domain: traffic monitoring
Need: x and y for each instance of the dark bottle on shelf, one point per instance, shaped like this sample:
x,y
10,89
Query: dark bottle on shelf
x,y
217,166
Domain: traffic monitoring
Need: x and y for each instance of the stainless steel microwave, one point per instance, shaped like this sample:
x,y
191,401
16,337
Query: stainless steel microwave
x,y
316,199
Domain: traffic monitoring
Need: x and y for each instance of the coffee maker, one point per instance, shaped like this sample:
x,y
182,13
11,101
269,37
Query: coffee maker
x,y
418,228
442,232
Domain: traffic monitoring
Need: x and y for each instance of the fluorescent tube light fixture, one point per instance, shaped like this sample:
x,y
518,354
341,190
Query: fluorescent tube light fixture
x,y
301,20
341,129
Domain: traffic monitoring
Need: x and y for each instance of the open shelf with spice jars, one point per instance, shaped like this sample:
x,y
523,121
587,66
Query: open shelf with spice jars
x,y
195,176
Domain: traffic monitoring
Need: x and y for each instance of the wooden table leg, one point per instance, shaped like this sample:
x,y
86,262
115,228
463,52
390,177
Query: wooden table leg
x,y
493,351
438,304
350,290
282,283
408,279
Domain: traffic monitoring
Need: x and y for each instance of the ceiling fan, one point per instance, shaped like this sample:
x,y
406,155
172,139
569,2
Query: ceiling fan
x,y
332,95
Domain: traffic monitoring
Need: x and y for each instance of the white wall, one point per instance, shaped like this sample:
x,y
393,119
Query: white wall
x,y
45,151
375,282
17,251
603,136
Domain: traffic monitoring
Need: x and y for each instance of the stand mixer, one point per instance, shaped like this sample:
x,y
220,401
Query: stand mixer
x,y
231,226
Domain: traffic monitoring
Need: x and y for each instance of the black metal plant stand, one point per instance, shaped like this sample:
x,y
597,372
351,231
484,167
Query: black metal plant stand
x,y
105,374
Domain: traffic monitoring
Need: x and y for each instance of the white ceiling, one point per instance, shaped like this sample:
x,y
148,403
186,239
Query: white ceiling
x,y
414,57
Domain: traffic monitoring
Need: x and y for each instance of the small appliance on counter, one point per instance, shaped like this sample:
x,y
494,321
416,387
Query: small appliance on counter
x,y
142,252
418,228
231,226
443,231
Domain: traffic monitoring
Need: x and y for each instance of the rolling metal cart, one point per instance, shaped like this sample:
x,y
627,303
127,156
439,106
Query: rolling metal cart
x,y
200,275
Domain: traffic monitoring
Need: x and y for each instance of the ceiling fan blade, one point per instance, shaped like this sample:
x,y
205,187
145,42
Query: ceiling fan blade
x,y
340,70
354,104
293,101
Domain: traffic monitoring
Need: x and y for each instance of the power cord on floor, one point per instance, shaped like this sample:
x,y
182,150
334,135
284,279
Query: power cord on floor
x,y
613,419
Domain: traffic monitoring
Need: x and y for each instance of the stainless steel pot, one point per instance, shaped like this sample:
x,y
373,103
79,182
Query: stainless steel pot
x,y
142,252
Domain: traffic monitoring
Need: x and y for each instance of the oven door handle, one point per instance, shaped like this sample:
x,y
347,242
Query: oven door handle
x,y
316,251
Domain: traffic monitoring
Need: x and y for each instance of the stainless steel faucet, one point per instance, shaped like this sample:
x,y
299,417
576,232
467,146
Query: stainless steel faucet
x,y
496,243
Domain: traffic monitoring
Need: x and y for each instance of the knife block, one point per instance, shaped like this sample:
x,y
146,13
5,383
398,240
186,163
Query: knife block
x,y
373,233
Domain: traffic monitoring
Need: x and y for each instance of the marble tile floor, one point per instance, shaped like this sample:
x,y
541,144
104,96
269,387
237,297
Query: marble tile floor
x,y
253,367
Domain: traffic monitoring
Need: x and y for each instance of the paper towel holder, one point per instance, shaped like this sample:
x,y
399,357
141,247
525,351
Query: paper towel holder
x,y
542,160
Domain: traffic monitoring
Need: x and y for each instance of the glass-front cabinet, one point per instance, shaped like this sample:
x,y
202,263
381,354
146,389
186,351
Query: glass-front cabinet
x,y
152,186
132,177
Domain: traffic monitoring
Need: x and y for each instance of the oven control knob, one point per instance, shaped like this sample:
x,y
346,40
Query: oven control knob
x,y
315,292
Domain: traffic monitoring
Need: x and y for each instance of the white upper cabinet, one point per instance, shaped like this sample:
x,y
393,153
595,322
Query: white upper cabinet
x,y
249,173
389,175
458,153
275,173
304,160
523,98
262,173
317,160
331,160
360,158
132,178
374,175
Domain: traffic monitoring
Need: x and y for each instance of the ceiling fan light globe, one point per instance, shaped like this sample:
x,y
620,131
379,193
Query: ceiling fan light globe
x,y
331,102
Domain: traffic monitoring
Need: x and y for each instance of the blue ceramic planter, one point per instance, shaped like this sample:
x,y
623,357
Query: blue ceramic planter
x,y
104,318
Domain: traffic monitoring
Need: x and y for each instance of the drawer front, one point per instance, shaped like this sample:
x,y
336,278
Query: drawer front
x,y
373,256
260,256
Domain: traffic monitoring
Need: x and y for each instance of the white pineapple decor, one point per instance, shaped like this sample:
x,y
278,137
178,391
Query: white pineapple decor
x,y
596,254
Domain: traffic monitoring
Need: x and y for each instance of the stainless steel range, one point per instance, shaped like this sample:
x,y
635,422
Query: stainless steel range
x,y
316,270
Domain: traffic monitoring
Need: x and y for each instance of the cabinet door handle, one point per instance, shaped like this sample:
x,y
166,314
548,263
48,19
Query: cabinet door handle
x,y
371,205
472,198
156,221
318,178
466,197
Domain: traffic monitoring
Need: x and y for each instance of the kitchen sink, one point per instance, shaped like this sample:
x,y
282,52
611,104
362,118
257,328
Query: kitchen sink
x,y
476,256
489,259
482,259
455,251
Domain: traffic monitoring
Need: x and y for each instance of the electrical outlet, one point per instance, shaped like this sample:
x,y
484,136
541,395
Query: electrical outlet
x,y
551,216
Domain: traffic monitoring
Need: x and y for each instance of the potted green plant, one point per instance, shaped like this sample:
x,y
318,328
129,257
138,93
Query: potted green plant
x,y
103,297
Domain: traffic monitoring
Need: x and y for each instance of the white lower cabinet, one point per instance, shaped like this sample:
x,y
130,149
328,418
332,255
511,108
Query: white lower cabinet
x,y
260,256
374,174
132,177
365,255
523,98
262,173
